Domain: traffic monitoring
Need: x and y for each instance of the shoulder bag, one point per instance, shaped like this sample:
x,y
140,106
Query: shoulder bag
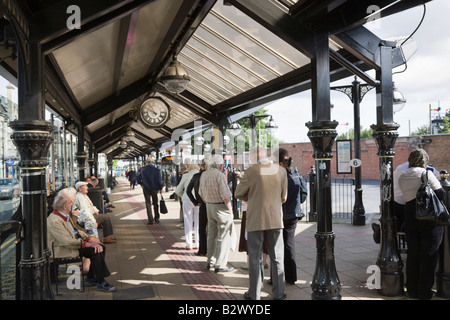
x,y
162,206
428,205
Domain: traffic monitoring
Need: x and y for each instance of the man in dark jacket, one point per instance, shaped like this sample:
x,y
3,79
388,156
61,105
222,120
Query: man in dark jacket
x,y
149,177
132,178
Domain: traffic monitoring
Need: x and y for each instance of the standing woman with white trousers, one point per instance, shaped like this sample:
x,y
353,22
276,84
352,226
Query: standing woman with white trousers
x,y
190,211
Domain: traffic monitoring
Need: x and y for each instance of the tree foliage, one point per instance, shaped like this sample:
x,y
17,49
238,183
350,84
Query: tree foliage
x,y
364,134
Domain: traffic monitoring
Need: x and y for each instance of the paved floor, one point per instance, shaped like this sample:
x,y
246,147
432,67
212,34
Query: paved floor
x,y
149,262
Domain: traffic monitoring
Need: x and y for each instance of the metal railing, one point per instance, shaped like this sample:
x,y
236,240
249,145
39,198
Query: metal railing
x,y
342,195
342,200
9,260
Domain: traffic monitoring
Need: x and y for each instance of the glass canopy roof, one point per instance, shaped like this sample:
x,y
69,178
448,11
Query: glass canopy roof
x,y
230,53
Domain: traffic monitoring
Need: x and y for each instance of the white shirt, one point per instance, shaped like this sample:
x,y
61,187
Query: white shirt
x,y
184,183
409,182
82,202
398,196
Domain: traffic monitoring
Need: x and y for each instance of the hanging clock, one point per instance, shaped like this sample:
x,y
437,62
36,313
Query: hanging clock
x,y
154,112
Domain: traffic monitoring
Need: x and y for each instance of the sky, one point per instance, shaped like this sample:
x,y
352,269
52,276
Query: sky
x,y
425,82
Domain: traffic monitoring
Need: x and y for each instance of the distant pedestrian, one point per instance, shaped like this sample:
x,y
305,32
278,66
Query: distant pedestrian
x,y
264,187
216,194
132,178
150,179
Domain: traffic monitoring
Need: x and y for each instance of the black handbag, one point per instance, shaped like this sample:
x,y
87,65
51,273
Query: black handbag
x,y
428,205
162,206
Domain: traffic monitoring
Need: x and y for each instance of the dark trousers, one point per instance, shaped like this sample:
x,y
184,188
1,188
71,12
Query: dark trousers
x,y
202,224
290,267
151,196
98,268
423,241
399,211
104,222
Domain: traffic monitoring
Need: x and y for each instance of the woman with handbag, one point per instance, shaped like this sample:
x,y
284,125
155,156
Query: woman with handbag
x,y
423,237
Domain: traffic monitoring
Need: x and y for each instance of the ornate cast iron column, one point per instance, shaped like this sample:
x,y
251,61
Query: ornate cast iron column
x,y
32,136
81,155
32,139
356,93
91,161
325,283
322,132
389,260
385,134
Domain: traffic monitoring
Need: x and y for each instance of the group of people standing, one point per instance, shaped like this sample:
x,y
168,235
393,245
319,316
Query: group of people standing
x,y
272,194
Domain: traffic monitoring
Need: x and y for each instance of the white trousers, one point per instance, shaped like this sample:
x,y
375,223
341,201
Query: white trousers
x,y
190,214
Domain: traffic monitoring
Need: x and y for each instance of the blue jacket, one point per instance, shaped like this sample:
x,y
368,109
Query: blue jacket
x,y
150,178
297,193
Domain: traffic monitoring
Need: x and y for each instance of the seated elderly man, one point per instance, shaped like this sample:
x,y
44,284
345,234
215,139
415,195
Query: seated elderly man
x,y
82,202
61,230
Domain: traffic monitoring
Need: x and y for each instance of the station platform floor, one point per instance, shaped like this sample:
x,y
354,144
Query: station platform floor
x,y
149,262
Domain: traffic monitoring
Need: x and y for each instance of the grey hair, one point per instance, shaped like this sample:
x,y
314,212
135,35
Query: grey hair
x,y
70,192
60,200
215,161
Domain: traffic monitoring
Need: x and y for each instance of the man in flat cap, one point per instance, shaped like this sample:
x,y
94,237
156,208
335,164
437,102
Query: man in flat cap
x,y
82,202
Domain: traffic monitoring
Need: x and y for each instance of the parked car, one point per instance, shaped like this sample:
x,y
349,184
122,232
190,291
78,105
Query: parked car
x,y
9,188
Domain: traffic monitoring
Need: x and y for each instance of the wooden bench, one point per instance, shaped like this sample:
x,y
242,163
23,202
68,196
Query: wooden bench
x,y
56,262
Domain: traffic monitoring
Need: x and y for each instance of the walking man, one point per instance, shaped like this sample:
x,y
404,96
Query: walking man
x,y
149,178
264,187
216,194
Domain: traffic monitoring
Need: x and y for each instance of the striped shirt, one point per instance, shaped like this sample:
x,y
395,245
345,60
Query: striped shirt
x,y
213,186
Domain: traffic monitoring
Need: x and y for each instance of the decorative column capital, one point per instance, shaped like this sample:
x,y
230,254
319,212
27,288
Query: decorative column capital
x,y
32,139
385,136
322,135
81,159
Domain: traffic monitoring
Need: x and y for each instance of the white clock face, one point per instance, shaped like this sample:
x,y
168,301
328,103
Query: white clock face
x,y
154,112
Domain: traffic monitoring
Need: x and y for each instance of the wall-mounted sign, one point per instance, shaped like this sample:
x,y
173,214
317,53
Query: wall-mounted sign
x,y
343,156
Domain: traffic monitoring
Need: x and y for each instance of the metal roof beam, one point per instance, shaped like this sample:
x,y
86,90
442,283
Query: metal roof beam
x,y
94,14
113,102
268,14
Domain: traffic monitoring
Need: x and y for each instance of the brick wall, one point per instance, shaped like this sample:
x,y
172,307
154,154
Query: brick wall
x,y
438,149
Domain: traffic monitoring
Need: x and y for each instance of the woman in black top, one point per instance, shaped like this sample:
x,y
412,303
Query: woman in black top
x,y
292,212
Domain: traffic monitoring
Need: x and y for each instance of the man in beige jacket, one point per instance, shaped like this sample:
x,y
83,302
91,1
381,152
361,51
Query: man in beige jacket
x,y
62,231
264,187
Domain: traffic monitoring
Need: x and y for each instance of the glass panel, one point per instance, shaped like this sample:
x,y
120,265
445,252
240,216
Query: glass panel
x,y
245,33
216,85
245,61
8,268
9,157
236,82
249,77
